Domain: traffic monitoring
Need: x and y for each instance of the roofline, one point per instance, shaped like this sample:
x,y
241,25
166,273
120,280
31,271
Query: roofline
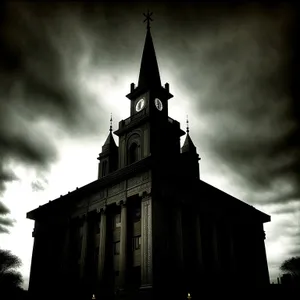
x,y
94,185
265,217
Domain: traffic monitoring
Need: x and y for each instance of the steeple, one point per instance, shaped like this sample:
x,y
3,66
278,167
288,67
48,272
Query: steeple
x,y
110,141
108,158
149,77
149,72
188,145
189,156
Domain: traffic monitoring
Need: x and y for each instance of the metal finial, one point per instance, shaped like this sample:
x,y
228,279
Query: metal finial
x,y
148,18
187,124
110,127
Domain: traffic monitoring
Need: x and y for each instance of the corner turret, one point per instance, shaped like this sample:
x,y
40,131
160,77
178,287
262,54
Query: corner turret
x,y
108,158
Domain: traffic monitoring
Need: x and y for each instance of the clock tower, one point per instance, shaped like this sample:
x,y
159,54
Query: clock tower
x,y
149,131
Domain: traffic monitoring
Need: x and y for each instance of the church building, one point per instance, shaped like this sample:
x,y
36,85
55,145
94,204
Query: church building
x,y
148,226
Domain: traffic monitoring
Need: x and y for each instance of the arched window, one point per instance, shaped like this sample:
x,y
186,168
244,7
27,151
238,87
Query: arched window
x,y
104,168
133,153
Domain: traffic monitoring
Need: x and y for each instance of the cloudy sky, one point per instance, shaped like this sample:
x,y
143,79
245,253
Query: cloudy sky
x,y
232,68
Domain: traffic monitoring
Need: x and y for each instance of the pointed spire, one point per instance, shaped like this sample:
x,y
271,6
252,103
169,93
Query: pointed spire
x,y
149,72
110,142
188,145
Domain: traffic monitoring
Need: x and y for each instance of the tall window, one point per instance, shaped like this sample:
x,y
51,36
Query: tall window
x,y
137,214
133,153
117,221
116,248
104,168
136,243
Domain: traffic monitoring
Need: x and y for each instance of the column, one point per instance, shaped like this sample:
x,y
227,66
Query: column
x,y
83,245
179,275
66,246
146,246
123,244
232,253
199,245
102,245
64,280
215,248
179,235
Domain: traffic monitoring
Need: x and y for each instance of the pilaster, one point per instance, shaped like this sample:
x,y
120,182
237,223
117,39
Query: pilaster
x,y
199,245
216,248
146,243
231,235
83,245
102,244
66,246
123,244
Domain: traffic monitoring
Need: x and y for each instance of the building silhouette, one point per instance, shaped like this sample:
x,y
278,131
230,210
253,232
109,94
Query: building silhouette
x,y
148,226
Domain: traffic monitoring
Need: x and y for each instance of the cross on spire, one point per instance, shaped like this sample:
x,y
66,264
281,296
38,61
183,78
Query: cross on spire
x,y
148,18
187,124
110,127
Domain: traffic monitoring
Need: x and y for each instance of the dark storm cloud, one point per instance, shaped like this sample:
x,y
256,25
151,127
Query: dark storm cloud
x,y
284,209
45,50
5,176
3,209
37,85
244,73
4,221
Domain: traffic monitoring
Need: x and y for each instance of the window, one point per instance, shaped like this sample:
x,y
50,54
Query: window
x,y
116,248
137,215
133,153
136,242
104,168
117,221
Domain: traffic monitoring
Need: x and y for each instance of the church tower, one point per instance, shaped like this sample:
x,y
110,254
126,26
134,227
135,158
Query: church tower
x,y
148,130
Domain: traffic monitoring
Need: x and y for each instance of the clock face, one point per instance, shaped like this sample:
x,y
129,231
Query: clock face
x,y
140,104
158,104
